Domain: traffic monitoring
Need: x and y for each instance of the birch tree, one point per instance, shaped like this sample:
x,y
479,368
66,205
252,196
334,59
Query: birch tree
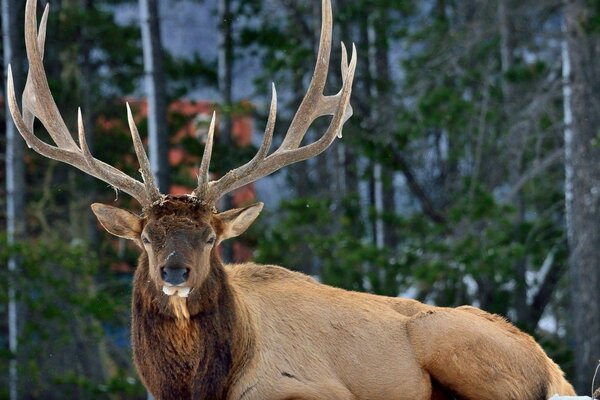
x,y
225,67
158,136
15,178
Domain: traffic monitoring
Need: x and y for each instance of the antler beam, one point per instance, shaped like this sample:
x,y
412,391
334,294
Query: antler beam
x,y
39,103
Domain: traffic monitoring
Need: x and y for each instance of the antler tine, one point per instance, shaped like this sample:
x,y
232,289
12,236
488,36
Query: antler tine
x,y
215,188
41,40
344,63
37,98
39,103
31,140
202,188
41,36
306,111
145,169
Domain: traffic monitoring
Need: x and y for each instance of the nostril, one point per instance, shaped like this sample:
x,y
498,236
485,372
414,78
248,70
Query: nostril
x,y
163,274
186,273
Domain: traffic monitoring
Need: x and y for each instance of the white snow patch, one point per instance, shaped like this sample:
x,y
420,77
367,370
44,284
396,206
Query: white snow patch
x,y
169,256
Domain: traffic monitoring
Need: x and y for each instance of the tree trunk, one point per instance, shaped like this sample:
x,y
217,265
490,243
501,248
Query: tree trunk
x,y
377,191
506,29
15,177
225,69
386,117
158,136
364,70
85,85
581,73
348,160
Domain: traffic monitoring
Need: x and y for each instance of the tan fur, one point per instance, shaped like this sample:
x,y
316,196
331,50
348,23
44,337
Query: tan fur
x,y
384,348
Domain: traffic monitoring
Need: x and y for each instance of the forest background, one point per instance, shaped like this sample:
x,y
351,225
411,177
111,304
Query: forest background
x,y
469,173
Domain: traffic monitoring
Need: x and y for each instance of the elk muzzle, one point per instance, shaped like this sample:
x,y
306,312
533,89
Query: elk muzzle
x,y
174,275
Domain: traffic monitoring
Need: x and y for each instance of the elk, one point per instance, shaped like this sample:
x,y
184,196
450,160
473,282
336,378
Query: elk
x,y
205,330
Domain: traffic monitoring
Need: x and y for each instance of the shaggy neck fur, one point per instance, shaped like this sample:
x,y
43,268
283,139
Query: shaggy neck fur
x,y
195,356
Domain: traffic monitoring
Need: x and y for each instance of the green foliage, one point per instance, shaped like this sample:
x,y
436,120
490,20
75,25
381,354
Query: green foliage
x,y
186,74
483,245
523,73
115,69
591,21
308,229
64,312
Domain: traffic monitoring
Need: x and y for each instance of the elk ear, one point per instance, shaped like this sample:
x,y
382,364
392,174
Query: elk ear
x,y
235,222
119,222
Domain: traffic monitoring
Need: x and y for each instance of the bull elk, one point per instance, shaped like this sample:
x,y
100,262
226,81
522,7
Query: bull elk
x,y
205,330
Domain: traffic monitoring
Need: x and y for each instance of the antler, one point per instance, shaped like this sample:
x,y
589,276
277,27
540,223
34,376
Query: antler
x,y
38,102
313,106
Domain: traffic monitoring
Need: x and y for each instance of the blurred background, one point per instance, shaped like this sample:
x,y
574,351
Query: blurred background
x,y
469,173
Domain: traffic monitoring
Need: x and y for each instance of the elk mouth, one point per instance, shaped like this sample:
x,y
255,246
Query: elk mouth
x,y
181,291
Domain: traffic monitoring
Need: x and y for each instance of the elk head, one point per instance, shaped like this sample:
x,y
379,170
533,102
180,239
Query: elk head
x,y
179,233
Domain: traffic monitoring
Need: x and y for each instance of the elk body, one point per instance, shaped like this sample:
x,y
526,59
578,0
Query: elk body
x,y
204,330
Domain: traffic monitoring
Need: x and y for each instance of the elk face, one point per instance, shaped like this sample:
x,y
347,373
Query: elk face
x,y
178,249
179,235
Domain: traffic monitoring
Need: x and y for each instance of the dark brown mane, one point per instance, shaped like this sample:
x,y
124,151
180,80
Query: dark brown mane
x,y
196,358
192,358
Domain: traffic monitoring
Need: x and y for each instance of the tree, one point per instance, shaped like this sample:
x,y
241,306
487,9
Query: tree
x,y
15,177
225,68
582,197
156,92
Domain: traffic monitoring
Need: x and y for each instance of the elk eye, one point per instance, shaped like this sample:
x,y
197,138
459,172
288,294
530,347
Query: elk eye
x,y
211,240
145,240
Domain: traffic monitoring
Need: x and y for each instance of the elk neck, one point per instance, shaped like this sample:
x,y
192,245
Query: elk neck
x,y
203,353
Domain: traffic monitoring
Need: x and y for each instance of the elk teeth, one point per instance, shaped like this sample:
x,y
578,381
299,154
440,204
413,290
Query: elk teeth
x,y
183,291
169,290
